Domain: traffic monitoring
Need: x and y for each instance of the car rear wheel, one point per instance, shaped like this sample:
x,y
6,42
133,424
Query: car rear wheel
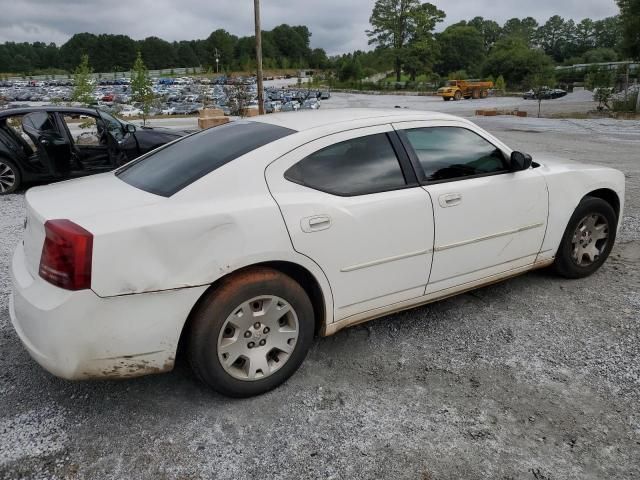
x,y
588,239
10,177
251,333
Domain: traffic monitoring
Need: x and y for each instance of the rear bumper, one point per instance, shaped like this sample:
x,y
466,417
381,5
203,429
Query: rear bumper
x,y
78,335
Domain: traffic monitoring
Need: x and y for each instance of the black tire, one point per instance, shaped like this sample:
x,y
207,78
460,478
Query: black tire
x,y
446,99
457,96
212,313
565,264
9,168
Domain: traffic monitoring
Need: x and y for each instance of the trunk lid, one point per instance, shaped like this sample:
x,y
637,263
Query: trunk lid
x,y
75,200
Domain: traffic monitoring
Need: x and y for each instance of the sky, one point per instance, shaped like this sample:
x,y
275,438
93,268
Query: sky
x,y
338,26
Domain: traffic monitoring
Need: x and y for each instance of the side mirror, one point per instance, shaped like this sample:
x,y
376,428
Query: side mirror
x,y
129,128
520,161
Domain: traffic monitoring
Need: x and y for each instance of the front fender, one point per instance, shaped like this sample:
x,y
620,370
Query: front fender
x,y
568,183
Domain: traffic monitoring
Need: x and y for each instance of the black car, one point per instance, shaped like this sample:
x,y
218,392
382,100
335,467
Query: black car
x,y
46,144
545,94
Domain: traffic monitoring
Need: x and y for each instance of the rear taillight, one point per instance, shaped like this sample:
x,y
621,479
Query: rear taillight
x,y
66,255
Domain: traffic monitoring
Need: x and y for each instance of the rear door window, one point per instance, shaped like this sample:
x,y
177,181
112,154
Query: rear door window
x,y
171,168
358,166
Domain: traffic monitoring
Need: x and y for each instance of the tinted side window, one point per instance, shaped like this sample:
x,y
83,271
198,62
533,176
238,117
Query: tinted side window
x,y
451,152
354,167
39,121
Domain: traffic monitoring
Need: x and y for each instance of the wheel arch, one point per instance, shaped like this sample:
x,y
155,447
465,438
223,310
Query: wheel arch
x,y
609,196
299,273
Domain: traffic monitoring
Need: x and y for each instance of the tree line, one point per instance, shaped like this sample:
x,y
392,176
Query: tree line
x,y
403,36
405,41
283,47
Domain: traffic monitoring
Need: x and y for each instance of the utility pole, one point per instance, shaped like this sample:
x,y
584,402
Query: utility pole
x,y
217,61
256,10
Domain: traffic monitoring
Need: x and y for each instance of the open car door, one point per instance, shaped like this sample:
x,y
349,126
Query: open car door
x,y
114,134
54,150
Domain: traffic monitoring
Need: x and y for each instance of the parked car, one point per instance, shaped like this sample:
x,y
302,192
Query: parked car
x,y
310,104
268,107
243,240
545,94
41,147
290,106
129,111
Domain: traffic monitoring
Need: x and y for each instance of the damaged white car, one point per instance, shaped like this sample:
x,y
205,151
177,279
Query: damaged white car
x,y
241,242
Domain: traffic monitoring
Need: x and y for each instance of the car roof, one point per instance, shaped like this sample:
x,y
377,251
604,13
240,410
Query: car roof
x,y
310,119
12,112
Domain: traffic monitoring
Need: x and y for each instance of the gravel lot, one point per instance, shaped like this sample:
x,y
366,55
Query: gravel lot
x,y
534,378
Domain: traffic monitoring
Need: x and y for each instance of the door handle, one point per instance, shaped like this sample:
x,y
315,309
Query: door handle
x,y
315,223
450,200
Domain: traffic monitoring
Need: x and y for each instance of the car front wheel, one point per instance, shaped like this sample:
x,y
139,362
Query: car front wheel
x,y
588,239
251,333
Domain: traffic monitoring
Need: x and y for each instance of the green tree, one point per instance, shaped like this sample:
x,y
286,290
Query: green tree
x,y
515,61
608,32
600,55
501,86
141,87
600,81
350,69
158,53
489,29
541,77
585,37
525,29
397,24
72,51
222,43
462,48
318,58
630,20
552,37
83,85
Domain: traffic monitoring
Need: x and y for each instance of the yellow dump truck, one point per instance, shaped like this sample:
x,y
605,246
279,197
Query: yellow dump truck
x,y
457,89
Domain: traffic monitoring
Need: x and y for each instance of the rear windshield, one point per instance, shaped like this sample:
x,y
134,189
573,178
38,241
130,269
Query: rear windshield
x,y
172,168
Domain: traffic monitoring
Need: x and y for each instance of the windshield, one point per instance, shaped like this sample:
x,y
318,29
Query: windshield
x,y
452,83
171,168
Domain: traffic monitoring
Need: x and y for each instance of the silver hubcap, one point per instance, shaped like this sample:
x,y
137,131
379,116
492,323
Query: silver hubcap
x,y
590,239
258,338
7,177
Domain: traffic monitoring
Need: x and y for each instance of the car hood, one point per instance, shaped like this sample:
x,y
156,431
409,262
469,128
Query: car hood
x,y
550,165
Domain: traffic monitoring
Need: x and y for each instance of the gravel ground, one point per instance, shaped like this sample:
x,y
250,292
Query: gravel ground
x,y
533,378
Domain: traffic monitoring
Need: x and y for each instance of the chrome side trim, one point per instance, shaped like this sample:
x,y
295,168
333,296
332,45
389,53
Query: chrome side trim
x,y
379,297
356,319
488,237
380,261
533,255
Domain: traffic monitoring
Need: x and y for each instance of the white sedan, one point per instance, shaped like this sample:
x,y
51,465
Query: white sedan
x,y
241,242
